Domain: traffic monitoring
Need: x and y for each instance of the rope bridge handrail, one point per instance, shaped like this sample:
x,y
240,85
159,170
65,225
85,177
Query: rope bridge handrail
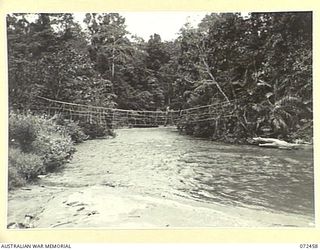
x,y
99,107
146,111
117,116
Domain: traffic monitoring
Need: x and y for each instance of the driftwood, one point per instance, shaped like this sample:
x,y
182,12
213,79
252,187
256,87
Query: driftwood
x,y
276,143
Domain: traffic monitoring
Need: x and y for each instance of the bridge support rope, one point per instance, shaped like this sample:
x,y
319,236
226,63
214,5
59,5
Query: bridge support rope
x,y
121,117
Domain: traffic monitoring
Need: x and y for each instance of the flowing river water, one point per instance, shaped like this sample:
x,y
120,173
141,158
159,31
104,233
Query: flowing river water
x,y
156,177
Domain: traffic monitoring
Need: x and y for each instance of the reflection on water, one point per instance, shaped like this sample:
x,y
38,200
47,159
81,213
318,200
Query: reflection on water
x,y
160,162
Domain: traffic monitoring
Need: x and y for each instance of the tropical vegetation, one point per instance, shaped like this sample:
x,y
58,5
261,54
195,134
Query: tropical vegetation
x,y
262,62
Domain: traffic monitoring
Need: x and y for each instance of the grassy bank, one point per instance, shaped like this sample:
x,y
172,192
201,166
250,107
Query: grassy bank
x,y
38,144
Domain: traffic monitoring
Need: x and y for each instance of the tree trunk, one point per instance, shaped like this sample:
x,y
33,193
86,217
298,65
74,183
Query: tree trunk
x,y
276,143
214,80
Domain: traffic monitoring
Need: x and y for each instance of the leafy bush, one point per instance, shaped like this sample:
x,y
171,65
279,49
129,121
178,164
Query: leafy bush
x,y
37,144
23,167
54,149
73,129
83,129
22,130
96,129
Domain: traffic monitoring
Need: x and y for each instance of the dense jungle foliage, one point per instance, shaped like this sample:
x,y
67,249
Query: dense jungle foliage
x,y
263,61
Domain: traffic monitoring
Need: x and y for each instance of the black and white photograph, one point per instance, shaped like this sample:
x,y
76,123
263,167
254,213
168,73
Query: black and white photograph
x,y
160,120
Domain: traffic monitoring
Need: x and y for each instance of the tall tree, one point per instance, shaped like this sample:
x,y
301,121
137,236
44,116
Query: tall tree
x,y
110,48
48,57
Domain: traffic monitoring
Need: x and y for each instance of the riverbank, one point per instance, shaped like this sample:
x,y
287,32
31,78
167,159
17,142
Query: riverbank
x,y
107,207
41,144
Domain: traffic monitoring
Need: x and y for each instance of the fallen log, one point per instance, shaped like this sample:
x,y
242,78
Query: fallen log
x,y
276,143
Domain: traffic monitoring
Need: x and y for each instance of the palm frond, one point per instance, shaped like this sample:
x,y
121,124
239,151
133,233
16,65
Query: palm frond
x,y
288,100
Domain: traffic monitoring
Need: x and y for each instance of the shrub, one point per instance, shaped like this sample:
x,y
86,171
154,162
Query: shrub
x,y
23,167
72,128
53,143
22,130
43,138
39,144
95,130
54,149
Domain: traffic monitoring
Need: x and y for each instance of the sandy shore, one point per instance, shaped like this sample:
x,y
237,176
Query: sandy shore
x,y
107,207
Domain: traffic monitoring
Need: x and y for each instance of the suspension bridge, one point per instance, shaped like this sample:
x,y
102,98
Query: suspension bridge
x,y
137,118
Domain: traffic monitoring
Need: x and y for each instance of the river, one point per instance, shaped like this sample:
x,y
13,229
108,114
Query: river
x,y
156,177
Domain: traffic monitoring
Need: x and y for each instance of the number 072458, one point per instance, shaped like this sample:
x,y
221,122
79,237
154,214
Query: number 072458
x,y
312,246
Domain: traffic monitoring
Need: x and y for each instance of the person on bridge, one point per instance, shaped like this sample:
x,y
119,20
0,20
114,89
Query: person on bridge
x,y
168,116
